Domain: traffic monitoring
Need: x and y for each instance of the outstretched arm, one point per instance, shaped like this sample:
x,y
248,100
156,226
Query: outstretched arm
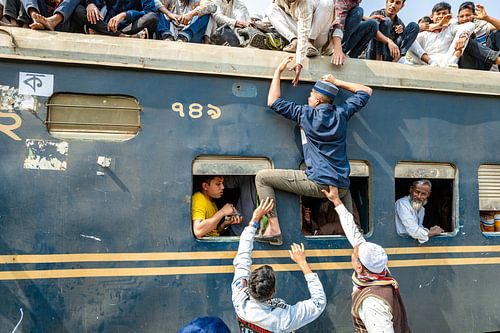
x,y
243,259
352,87
351,230
275,89
482,15
306,311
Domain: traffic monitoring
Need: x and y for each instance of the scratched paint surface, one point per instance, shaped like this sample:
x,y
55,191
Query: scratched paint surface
x,y
11,100
46,155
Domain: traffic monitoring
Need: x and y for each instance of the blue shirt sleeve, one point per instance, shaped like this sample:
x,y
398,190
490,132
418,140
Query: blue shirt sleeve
x,y
147,7
355,103
289,110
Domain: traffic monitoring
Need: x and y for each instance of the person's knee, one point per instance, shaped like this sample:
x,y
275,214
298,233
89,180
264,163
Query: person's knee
x,y
412,27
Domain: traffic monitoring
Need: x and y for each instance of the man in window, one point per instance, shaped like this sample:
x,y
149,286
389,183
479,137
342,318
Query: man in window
x,y
410,212
324,132
253,291
205,215
377,305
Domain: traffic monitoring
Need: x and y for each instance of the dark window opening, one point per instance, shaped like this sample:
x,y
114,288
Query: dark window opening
x,y
318,215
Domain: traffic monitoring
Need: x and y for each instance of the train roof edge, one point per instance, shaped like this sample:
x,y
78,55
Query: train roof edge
x,y
95,50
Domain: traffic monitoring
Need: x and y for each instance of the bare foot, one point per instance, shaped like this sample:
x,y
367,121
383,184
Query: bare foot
x,y
37,26
49,23
143,34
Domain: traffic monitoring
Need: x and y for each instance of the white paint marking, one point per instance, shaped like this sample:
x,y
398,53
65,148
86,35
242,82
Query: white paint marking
x,y
92,237
20,320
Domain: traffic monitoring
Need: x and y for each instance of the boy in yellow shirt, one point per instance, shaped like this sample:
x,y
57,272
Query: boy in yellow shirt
x,y
204,212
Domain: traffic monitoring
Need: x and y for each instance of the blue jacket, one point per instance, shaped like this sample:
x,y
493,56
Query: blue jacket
x,y
134,9
324,132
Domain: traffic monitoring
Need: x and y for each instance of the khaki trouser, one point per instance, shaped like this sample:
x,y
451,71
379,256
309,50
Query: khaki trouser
x,y
294,181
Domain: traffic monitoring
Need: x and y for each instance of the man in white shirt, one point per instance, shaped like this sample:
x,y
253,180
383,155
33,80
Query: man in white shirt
x,y
233,13
377,305
410,213
252,291
443,44
305,24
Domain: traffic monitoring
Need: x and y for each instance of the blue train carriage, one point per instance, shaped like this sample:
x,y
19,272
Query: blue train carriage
x,y
103,140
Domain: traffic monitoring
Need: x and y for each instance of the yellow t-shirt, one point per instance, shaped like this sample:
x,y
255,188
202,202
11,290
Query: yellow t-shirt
x,y
201,209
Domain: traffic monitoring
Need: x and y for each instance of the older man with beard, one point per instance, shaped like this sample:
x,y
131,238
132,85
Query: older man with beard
x,y
410,212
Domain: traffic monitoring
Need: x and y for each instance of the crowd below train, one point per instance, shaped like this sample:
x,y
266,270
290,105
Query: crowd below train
x,y
335,28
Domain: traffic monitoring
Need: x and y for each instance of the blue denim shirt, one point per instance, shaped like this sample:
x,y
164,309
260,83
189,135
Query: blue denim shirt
x,y
324,132
134,9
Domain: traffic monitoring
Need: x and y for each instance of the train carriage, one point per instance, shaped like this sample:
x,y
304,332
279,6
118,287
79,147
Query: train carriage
x,y
102,140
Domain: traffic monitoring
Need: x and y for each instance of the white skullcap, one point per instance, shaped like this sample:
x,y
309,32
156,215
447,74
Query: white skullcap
x,y
372,256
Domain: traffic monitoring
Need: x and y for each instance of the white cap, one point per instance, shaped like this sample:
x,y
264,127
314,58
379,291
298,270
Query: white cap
x,y
372,256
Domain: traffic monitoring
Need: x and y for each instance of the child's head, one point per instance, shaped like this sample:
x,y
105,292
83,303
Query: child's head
x,y
440,10
466,12
212,186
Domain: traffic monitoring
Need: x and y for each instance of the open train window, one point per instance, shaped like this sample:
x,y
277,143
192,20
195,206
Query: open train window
x,y
238,179
318,216
489,199
93,117
441,205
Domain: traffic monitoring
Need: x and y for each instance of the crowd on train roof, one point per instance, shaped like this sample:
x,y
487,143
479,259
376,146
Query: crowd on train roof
x,y
336,28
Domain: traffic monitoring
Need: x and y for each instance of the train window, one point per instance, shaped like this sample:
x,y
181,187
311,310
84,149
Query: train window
x,y
489,198
93,117
318,216
237,174
441,205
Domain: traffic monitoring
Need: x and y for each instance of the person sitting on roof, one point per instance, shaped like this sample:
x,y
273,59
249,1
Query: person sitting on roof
x,y
12,14
482,50
351,34
50,14
205,215
232,14
393,39
183,20
121,18
305,24
442,45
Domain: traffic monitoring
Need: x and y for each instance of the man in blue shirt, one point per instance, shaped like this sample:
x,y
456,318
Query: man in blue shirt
x,y
323,132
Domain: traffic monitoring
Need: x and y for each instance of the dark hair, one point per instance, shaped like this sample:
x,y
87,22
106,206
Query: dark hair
x,y
262,283
467,5
425,19
440,6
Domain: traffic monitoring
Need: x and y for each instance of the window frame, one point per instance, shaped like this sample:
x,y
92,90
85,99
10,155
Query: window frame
x,y
432,170
359,168
79,116
489,204
206,165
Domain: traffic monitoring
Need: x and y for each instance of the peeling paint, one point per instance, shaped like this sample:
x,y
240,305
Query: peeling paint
x,y
12,101
92,237
428,283
46,155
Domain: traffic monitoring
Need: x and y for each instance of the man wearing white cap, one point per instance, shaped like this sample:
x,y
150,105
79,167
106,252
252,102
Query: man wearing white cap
x,y
324,132
376,303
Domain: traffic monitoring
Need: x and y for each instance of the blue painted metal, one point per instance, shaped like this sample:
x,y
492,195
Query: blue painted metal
x,y
143,205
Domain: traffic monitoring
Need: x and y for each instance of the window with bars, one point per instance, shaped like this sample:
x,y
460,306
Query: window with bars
x,y
93,117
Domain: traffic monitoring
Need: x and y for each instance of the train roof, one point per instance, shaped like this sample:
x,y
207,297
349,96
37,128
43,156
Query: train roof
x,y
95,50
